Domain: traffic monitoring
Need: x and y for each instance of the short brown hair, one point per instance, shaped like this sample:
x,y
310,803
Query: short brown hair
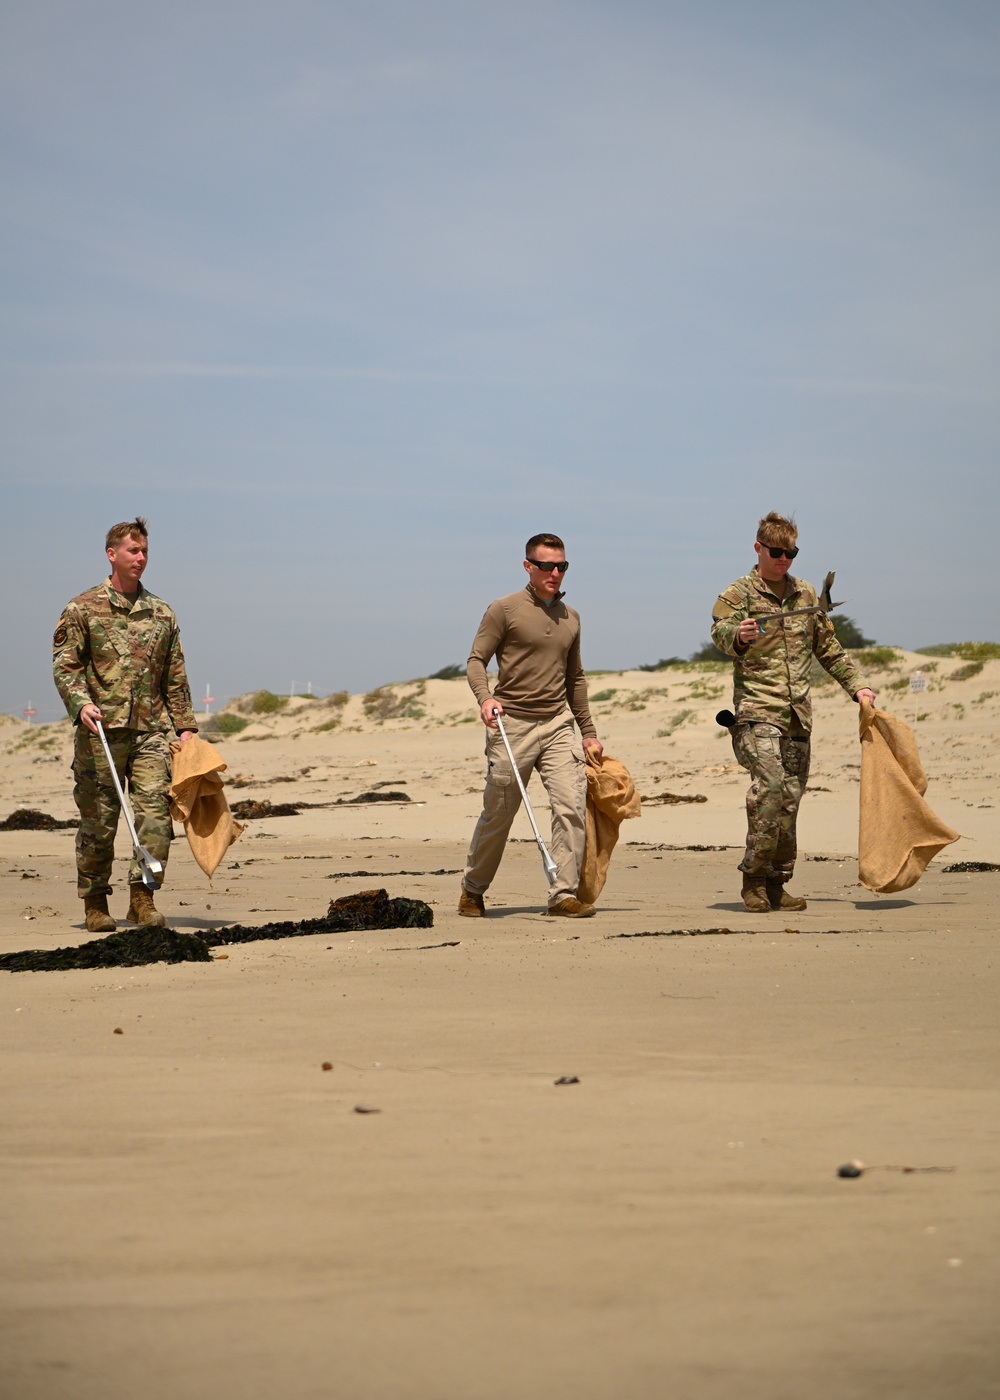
x,y
137,528
778,531
546,542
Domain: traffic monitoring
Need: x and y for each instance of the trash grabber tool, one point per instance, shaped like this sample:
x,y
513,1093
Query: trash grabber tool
x,y
548,864
148,864
825,605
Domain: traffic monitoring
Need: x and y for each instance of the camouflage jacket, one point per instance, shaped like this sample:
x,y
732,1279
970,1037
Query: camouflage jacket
x,y
126,661
771,678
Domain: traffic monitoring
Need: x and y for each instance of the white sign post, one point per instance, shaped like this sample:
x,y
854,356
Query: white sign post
x,y
918,684
207,698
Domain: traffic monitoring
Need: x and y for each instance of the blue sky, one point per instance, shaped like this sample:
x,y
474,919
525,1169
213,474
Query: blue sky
x,y
350,298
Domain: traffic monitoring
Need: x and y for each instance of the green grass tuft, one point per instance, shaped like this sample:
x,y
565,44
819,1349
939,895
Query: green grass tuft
x,y
876,658
227,724
966,651
265,702
675,721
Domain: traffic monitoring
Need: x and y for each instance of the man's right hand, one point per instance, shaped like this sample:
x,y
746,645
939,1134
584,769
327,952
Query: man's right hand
x,y
748,632
486,712
88,713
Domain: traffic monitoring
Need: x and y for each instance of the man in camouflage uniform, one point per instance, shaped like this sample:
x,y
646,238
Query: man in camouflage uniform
x,y
772,661
117,658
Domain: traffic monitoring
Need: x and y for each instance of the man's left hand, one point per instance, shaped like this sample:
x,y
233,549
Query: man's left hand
x,y
865,696
596,744
185,735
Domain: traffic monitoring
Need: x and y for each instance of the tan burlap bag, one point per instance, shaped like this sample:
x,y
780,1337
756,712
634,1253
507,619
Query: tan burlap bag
x,y
898,834
611,799
197,800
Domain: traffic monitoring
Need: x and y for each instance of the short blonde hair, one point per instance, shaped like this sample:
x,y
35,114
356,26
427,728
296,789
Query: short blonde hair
x,y
777,531
137,528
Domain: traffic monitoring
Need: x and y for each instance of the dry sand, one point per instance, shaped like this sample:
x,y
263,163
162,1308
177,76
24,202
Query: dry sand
x,y
193,1208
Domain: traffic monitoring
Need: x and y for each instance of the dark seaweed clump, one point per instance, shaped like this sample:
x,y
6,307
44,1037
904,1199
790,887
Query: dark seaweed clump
x,y
30,819
131,948
355,913
251,810
970,867
375,797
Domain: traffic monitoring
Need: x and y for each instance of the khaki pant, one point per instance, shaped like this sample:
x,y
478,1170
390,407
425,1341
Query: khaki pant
x,y
779,767
142,762
553,748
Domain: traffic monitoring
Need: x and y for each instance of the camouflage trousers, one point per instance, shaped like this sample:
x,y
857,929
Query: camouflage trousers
x,y
143,763
778,765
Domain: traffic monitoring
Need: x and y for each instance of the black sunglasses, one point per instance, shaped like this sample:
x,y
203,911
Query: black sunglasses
x,y
547,566
779,553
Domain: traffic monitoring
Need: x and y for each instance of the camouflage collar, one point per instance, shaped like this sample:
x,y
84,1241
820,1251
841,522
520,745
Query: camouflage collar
x,y
118,600
792,587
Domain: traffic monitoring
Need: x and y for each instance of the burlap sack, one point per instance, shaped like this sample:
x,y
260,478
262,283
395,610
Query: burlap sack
x,y
611,799
898,834
197,800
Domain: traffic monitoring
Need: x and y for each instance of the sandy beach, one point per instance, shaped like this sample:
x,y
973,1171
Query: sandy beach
x,y
194,1207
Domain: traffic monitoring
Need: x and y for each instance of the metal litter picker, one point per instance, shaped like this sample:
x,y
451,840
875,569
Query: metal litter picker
x,y
548,864
148,865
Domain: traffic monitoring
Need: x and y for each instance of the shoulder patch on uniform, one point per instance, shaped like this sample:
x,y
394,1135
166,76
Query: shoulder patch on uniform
x,y
60,635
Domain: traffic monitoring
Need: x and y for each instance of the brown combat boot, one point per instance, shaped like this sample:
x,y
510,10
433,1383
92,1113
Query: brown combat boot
x,y
570,908
142,910
755,899
473,906
779,898
95,908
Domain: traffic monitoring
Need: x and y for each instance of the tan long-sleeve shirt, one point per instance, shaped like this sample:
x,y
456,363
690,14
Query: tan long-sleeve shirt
x,y
537,648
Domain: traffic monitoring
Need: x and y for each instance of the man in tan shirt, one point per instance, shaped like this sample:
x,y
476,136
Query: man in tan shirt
x,y
542,694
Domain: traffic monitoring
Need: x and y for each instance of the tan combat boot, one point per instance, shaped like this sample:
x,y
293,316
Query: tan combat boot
x,y
142,910
95,907
570,908
473,906
755,899
780,899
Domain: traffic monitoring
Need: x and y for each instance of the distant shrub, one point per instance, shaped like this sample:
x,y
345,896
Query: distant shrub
x,y
267,703
968,651
227,724
978,651
902,684
848,633
608,694
663,663
323,728
877,658
339,698
708,651
448,673
965,673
